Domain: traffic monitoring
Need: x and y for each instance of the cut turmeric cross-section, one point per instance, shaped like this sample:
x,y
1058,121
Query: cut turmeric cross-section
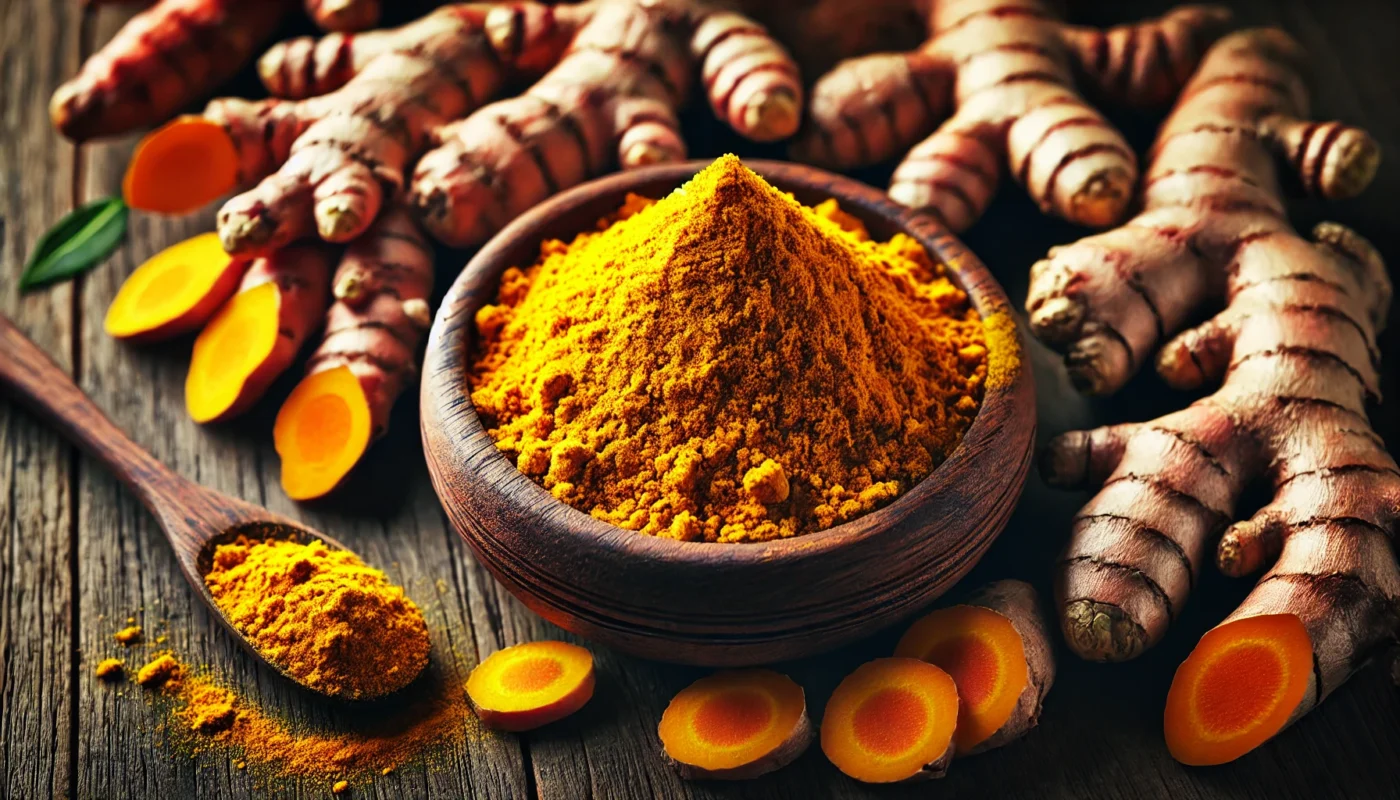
x,y
180,167
529,685
998,652
892,720
736,725
257,334
175,291
321,432
1240,686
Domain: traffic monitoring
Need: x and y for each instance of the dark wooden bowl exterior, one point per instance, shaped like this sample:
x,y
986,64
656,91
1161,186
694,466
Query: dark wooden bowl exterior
x,y
717,604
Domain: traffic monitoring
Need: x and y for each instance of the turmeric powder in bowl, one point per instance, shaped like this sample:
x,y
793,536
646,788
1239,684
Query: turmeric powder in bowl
x,y
320,615
728,365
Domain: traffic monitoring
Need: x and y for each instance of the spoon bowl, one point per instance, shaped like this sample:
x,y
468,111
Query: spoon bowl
x,y
195,519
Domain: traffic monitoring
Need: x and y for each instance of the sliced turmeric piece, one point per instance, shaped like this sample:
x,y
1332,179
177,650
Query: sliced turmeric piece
x,y
892,720
529,685
997,650
368,356
175,291
257,334
1239,687
181,166
736,725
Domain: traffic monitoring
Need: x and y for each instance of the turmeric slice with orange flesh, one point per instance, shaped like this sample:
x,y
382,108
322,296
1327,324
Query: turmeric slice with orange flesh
x,y
181,167
523,687
175,291
736,725
892,720
997,649
1239,687
257,334
368,356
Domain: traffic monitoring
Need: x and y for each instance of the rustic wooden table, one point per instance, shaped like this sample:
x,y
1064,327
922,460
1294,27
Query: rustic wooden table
x,y
80,556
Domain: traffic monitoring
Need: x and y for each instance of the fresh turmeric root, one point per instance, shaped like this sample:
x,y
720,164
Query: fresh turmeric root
x,y
176,291
257,333
1295,350
997,649
736,725
892,721
165,57
1005,70
375,103
368,356
530,685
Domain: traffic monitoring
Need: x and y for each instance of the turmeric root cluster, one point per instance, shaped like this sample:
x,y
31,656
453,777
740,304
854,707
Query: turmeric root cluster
x,y
1294,353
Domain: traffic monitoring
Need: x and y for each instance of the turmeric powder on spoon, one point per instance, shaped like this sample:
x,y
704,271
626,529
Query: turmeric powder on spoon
x,y
320,615
728,365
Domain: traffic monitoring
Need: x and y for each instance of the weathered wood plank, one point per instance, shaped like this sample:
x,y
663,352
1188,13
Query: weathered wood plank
x,y
37,657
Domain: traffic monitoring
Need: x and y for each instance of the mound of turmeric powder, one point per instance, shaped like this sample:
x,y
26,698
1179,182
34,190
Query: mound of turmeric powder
x,y
322,616
728,365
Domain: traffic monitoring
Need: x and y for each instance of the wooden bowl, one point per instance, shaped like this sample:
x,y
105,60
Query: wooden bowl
x,y
702,603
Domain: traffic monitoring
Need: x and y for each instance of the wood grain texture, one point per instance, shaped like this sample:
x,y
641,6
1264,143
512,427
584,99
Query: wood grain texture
x,y
702,603
1100,735
36,468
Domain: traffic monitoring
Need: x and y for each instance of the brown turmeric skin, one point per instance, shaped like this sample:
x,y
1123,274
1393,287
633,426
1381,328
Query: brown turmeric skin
x,y
728,365
322,616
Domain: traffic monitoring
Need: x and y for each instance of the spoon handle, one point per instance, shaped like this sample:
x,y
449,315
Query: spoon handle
x,y
29,375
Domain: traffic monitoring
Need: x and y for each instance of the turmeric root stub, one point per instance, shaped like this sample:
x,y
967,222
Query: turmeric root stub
x,y
892,720
529,685
736,725
1239,687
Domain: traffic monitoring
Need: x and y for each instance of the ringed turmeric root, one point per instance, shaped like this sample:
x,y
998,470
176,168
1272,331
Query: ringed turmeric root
x,y
162,59
621,68
735,725
997,649
367,357
530,685
1294,351
892,720
258,332
994,87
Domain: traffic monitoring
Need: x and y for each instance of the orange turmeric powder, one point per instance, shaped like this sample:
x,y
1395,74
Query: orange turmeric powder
x,y
373,741
321,615
728,365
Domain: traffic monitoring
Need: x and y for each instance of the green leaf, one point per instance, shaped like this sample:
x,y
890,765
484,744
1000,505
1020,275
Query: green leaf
x,y
77,243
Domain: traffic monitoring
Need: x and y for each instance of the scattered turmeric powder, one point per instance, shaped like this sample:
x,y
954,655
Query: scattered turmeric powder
x,y
370,741
129,635
160,670
728,365
321,615
110,669
340,787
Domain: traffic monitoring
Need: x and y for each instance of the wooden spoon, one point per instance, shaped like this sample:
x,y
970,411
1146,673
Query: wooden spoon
x,y
195,519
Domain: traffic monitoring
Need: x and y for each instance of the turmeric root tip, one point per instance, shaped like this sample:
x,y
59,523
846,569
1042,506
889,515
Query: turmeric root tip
x,y
997,650
181,166
176,291
321,431
736,725
1238,688
529,685
892,720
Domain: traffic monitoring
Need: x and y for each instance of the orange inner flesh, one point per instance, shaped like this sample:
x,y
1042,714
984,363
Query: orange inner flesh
x,y
986,658
1238,688
321,431
167,285
180,167
732,718
529,677
889,719
230,349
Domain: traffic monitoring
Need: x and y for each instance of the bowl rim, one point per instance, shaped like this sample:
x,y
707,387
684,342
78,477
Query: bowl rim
x,y
443,394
